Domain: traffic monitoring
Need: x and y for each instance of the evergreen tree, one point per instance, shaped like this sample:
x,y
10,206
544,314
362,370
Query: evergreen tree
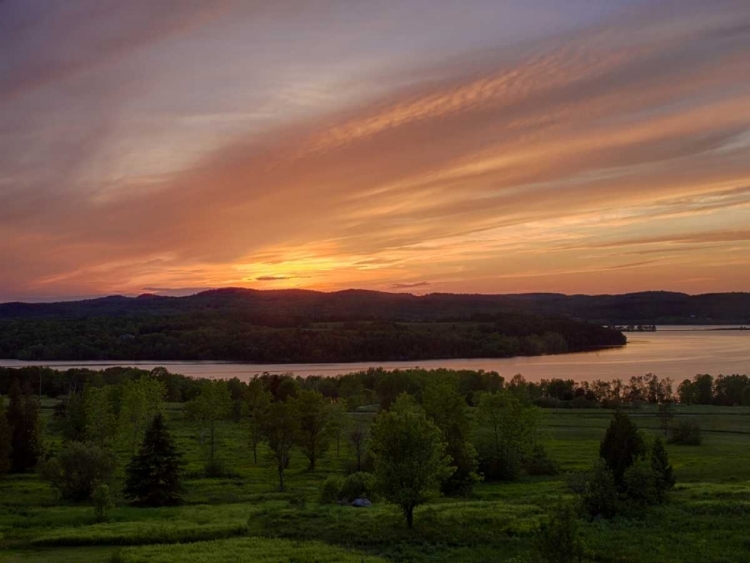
x,y
5,439
154,474
622,446
23,417
661,466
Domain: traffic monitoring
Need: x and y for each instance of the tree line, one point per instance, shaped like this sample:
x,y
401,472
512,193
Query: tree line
x,y
228,336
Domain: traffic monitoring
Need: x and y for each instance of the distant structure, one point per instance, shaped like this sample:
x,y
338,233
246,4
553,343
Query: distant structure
x,y
633,328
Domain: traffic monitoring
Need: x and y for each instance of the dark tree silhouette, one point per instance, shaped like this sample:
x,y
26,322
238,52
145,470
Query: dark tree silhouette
x,y
5,439
154,474
661,466
621,446
23,417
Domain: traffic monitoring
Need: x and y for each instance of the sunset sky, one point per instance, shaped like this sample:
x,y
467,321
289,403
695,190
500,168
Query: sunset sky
x,y
490,146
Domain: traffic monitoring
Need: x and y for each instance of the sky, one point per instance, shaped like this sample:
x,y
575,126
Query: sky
x,y
480,146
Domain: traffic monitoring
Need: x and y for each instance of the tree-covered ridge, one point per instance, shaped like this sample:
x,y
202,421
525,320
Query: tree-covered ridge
x,y
227,335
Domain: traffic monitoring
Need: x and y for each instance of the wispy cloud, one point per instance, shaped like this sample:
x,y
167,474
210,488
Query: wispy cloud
x,y
173,149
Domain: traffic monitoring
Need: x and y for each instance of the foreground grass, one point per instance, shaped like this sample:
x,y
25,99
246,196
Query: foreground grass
x,y
260,550
244,517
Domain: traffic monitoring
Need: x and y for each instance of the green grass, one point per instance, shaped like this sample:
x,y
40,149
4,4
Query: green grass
x,y
244,517
259,550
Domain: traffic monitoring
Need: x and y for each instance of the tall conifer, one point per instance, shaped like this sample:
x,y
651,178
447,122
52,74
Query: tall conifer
x,y
154,474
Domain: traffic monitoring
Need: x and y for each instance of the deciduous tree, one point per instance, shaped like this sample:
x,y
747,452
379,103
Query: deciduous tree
x,y
281,428
411,462
314,413
212,405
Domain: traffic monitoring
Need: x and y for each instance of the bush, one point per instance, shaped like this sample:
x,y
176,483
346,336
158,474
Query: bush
x,y
102,502
331,490
501,468
686,433
78,467
641,485
539,463
559,539
338,489
597,491
358,485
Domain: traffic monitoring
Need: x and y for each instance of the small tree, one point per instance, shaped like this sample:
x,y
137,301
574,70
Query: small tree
x,y
102,502
257,403
506,434
338,423
281,428
212,405
100,419
69,418
686,433
663,469
314,413
358,440
154,475
621,446
666,414
6,436
411,462
142,399
78,468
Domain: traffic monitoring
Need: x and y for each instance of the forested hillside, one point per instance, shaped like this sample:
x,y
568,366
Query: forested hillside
x,y
290,326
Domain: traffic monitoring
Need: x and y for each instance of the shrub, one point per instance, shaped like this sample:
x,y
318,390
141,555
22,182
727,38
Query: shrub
x,y
539,463
597,491
686,433
641,486
78,468
559,538
102,502
500,467
331,489
357,485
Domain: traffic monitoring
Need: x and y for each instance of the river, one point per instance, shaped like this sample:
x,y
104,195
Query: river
x,y
676,352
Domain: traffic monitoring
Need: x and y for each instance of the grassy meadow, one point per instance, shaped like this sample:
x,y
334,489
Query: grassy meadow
x,y
242,517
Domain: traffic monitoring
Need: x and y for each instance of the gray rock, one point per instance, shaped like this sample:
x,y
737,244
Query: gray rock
x,y
362,503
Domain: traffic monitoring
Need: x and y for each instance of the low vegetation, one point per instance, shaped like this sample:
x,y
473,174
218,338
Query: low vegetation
x,y
409,466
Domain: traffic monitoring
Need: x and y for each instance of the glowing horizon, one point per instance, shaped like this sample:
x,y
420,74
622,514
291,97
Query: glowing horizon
x,y
420,146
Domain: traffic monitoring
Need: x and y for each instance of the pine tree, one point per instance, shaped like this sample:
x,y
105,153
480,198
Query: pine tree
x,y
23,417
154,474
5,439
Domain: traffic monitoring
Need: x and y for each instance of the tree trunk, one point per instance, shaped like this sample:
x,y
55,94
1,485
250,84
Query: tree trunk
x,y
281,476
410,517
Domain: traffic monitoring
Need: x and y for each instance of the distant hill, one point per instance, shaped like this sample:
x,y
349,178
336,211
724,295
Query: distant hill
x,y
294,307
299,326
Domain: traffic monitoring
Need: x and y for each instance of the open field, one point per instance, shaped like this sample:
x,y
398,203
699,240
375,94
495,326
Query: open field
x,y
243,517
